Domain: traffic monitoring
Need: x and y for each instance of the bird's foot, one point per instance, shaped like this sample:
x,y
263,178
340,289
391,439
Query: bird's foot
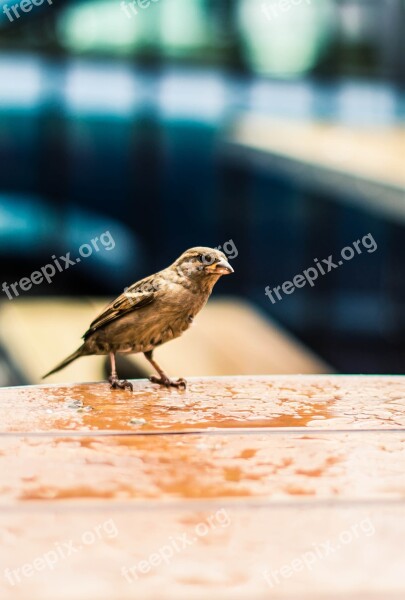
x,y
180,383
116,384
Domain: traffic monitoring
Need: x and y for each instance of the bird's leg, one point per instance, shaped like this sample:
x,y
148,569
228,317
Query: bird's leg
x,y
113,379
163,379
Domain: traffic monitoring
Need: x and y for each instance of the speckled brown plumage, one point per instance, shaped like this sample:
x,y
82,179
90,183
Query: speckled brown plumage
x,y
154,311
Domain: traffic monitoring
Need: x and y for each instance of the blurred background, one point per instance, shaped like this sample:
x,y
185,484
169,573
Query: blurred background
x,y
274,125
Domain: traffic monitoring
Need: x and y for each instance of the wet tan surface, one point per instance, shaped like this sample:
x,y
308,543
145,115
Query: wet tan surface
x,y
324,402
264,487
373,153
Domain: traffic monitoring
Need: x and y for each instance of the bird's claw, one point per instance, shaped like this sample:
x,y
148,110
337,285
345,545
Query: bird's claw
x,y
180,383
116,384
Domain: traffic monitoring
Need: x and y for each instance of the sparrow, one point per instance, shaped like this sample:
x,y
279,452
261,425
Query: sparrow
x,y
153,311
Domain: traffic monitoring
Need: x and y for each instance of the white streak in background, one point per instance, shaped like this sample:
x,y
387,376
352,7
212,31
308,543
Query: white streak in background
x,y
94,25
366,103
290,43
20,82
356,27
103,90
295,99
200,97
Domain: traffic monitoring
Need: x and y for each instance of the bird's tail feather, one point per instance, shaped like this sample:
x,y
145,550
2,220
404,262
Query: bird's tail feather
x,y
66,362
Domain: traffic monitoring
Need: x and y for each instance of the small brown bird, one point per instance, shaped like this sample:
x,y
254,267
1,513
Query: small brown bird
x,y
154,311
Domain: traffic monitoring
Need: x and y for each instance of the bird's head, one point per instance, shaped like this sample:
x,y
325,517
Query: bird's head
x,y
203,263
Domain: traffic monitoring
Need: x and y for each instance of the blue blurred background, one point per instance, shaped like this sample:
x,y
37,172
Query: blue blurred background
x,y
121,116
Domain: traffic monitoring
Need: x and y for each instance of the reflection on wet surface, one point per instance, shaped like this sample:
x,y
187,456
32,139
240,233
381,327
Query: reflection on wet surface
x,y
293,461
201,467
313,402
257,460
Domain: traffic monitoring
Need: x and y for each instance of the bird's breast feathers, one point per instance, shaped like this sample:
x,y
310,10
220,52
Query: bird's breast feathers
x,y
167,317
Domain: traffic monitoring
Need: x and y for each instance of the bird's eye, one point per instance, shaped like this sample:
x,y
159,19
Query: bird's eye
x,y
206,259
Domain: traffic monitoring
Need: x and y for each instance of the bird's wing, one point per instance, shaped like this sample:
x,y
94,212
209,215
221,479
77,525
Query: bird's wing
x,y
135,297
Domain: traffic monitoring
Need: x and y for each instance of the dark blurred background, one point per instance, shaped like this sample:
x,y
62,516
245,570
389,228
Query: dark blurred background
x,y
123,117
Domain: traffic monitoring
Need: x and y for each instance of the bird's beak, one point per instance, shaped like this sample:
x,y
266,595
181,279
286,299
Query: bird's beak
x,y
220,268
